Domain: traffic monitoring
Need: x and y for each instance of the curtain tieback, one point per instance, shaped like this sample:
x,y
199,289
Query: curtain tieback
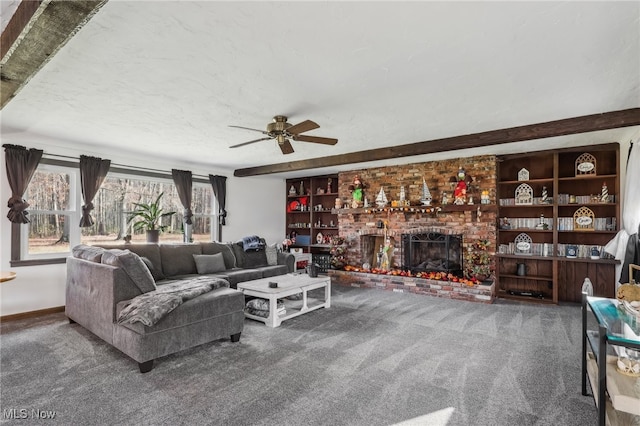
x,y
86,209
17,204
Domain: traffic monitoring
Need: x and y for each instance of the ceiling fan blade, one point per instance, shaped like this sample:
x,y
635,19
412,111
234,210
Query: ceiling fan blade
x,y
315,139
249,128
285,147
305,126
247,143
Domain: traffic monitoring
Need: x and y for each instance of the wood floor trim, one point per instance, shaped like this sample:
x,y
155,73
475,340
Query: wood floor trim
x,y
32,314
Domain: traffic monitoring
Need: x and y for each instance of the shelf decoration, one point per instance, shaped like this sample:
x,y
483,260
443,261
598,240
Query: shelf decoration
x,y
523,174
523,244
357,191
381,199
585,165
584,219
426,195
604,195
524,194
545,196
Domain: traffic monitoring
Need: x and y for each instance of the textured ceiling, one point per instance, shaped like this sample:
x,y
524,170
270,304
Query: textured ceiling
x,y
165,79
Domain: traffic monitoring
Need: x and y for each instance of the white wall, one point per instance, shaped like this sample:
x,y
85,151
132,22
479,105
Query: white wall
x,y
254,206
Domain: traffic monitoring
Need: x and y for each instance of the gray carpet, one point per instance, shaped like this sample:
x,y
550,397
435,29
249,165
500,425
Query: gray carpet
x,y
374,358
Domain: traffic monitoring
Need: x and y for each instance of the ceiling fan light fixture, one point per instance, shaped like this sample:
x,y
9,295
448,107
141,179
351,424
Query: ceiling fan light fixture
x,y
283,132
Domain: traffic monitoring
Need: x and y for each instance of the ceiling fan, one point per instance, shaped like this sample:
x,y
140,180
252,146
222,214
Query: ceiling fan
x,y
283,132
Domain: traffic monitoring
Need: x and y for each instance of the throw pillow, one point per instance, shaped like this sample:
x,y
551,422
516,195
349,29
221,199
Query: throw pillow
x,y
226,250
272,254
83,251
209,263
155,272
133,266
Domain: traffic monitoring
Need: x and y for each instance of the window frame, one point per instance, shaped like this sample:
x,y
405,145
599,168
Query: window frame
x,y
72,215
19,234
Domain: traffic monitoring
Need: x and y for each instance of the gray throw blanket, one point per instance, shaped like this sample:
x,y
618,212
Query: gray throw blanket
x,y
151,307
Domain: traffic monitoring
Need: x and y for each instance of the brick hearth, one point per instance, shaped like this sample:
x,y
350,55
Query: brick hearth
x,y
447,289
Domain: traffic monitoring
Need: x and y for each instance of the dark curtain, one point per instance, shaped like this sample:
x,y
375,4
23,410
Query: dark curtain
x,y
21,165
182,179
219,185
92,173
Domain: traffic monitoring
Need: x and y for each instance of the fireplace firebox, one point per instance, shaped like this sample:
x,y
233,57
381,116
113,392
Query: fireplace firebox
x,y
432,252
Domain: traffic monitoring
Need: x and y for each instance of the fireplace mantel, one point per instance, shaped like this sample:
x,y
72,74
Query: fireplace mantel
x,y
449,208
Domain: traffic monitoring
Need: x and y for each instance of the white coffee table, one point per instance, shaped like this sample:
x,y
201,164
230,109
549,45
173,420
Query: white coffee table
x,y
288,285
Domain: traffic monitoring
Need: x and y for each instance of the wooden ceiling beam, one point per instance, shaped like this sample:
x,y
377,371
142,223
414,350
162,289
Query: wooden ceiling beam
x,y
568,126
34,35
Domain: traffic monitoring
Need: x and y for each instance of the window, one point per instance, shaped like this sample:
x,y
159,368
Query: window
x,y
117,196
56,202
52,212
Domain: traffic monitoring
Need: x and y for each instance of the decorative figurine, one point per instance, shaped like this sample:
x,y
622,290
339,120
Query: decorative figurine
x,y
426,195
381,199
604,196
357,192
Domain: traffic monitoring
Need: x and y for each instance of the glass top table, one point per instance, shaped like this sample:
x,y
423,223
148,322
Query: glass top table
x,y
623,327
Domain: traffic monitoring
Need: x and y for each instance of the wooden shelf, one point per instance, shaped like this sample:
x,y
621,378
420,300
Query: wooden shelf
x,y
518,182
527,277
528,230
587,177
555,170
523,256
313,215
504,295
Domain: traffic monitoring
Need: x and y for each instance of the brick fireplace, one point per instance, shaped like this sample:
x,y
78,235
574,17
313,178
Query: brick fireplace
x,y
364,229
464,220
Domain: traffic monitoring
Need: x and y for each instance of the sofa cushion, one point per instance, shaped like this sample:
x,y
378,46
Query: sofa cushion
x,y
91,253
177,259
216,303
209,263
133,266
239,275
272,271
249,259
225,249
150,251
271,252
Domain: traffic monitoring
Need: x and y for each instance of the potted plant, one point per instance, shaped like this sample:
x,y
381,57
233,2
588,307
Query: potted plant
x,y
478,262
148,217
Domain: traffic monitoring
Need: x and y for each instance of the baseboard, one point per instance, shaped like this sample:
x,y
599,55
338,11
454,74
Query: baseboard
x,y
32,314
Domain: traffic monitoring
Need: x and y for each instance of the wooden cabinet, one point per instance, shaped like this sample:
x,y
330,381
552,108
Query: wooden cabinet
x,y
554,220
309,217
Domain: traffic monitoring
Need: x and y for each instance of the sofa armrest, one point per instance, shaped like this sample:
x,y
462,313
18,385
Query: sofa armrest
x,y
92,292
285,258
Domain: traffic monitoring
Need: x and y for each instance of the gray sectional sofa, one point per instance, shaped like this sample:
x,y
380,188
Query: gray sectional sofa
x,y
103,283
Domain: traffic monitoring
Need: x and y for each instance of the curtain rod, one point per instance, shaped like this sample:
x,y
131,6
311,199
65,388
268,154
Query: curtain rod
x,y
46,154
